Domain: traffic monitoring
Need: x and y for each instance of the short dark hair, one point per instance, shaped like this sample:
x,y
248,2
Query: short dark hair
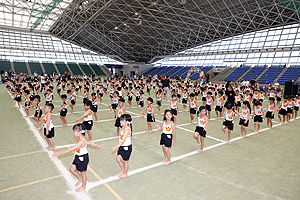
x,y
50,105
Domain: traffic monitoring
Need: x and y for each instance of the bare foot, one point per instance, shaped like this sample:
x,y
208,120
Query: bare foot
x,y
219,117
120,173
224,135
111,112
78,183
255,131
167,163
150,131
245,135
258,131
200,150
191,122
51,149
228,142
241,135
80,189
165,160
47,147
27,116
123,176
268,127
71,111
65,125
280,122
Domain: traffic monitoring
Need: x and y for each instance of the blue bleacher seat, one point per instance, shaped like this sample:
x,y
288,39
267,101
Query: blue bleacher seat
x,y
291,74
270,75
253,73
237,73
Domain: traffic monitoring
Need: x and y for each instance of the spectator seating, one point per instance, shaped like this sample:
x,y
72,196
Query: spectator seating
x,y
35,66
291,74
95,67
20,67
5,65
49,67
180,72
74,68
254,72
62,67
270,75
237,73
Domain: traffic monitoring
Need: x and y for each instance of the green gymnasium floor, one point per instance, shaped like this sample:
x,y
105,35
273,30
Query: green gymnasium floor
x,y
262,166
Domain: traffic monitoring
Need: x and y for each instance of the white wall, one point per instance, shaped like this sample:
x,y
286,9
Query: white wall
x,y
137,67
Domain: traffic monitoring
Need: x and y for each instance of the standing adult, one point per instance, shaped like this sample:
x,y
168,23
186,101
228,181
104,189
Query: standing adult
x,y
166,84
207,77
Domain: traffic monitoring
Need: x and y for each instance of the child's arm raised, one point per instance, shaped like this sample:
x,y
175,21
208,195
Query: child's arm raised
x,y
85,114
127,132
56,154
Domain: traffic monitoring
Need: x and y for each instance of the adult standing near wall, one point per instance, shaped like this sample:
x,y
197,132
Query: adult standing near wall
x,y
207,77
166,84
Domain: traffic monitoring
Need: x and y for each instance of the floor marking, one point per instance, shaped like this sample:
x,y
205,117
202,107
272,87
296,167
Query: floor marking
x,y
65,173
103,139
113,178
80,112
31,183
104,120
99,178
22,154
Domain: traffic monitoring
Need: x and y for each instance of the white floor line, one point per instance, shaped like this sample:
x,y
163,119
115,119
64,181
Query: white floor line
x,y
69,112
113,178
104,120
103,139
70,180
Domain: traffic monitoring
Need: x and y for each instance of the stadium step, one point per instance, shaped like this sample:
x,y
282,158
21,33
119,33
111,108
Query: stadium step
x,y
243,74
261,74
279,75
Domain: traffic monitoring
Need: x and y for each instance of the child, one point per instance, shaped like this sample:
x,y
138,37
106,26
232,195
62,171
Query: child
x,y
137,95
204,95
121,111
63,110
129,94
150,114
88,118
48,96
94,107
228,122
296,106
278,97
100,93
48,126
81,160
85,94
27,102
124,145
193,106
73,100
270,112
18,98
141,103
209,103
238,100
289,108
167,135
185,97
158,102
174,106
38,110
244,120
258,115
219,107
201,128
283,110
115,103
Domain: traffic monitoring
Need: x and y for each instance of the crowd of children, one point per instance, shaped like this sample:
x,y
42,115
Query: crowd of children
x,y
227,100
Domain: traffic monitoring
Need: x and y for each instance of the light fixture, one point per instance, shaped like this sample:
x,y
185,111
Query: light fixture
x,y
116,28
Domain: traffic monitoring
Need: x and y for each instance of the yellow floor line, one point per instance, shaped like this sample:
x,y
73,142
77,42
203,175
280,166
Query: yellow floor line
x,y
26,184
22,154
105,184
